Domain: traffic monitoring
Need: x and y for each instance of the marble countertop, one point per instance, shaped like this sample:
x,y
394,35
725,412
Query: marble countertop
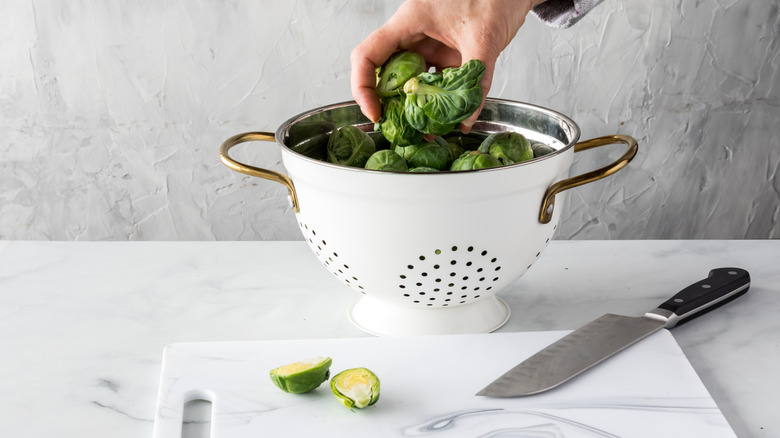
x,y
83,324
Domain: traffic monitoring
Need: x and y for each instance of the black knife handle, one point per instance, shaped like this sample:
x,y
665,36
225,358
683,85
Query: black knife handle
x,y
720,287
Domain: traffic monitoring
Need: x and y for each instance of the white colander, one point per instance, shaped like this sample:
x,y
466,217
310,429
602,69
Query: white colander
x,y
428,252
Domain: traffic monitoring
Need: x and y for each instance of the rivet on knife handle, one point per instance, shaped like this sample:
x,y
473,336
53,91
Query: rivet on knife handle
x,y
720,287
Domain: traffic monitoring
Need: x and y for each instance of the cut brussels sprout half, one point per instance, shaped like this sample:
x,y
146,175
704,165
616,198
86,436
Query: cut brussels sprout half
x,y
303,376
356,388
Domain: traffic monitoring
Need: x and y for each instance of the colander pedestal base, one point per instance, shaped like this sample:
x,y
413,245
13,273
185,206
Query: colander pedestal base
x,y
381,318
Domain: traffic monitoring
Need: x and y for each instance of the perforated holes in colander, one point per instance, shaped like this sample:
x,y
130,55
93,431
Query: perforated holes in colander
x,y
545,243
449,276
329,257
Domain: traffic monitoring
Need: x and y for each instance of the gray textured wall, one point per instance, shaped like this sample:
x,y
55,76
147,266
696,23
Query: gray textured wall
x,y
112,112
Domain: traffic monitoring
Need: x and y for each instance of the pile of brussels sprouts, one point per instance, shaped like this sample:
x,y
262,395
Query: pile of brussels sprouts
x,y
417,106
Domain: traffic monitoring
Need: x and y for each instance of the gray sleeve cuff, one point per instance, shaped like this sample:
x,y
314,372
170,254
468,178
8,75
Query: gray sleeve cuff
x,y
563,13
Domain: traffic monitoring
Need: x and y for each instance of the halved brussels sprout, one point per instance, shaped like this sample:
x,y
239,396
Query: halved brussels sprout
x,y
386,159
303,376
356,388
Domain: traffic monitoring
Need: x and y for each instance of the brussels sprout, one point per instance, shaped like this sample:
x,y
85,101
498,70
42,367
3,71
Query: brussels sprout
x,y
455,149
541,149
423,169
475,160
436,154
436,102
508,147
401,67
350,146
356,388
386,159
394,126
416,117
303,376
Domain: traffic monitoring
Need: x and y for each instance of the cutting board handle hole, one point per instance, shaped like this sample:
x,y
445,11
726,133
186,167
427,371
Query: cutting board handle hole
x,y
196,419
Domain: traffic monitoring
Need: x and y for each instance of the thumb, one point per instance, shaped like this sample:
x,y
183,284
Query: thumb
x,y
487,80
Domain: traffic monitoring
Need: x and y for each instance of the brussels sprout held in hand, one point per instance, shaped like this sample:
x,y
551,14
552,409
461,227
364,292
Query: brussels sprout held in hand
x,y
416,117
394,126
401,67
303,376
356,388
436,102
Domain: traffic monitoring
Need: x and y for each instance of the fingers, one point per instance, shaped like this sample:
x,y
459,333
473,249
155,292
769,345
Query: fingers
x,y
438,54
397,34
485,83
363,81
489,59
365,59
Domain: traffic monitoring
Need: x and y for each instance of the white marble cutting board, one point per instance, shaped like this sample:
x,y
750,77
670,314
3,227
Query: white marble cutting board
x,y
428,387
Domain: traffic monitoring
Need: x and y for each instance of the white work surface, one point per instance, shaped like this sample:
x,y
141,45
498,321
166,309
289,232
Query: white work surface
x,y
428,385
83,325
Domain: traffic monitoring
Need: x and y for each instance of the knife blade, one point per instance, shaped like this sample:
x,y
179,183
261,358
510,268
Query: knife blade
x,y
610,334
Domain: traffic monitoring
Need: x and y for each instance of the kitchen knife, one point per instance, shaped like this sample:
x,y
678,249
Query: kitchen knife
x,y
609,334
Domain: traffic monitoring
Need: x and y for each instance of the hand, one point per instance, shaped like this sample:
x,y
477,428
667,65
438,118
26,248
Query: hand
x,y
447,33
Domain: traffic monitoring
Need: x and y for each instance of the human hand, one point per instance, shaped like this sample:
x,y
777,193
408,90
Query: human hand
x,y
447,33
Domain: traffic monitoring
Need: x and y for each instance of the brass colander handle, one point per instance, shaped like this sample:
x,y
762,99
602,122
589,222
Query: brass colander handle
x,y
246,169
548,202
